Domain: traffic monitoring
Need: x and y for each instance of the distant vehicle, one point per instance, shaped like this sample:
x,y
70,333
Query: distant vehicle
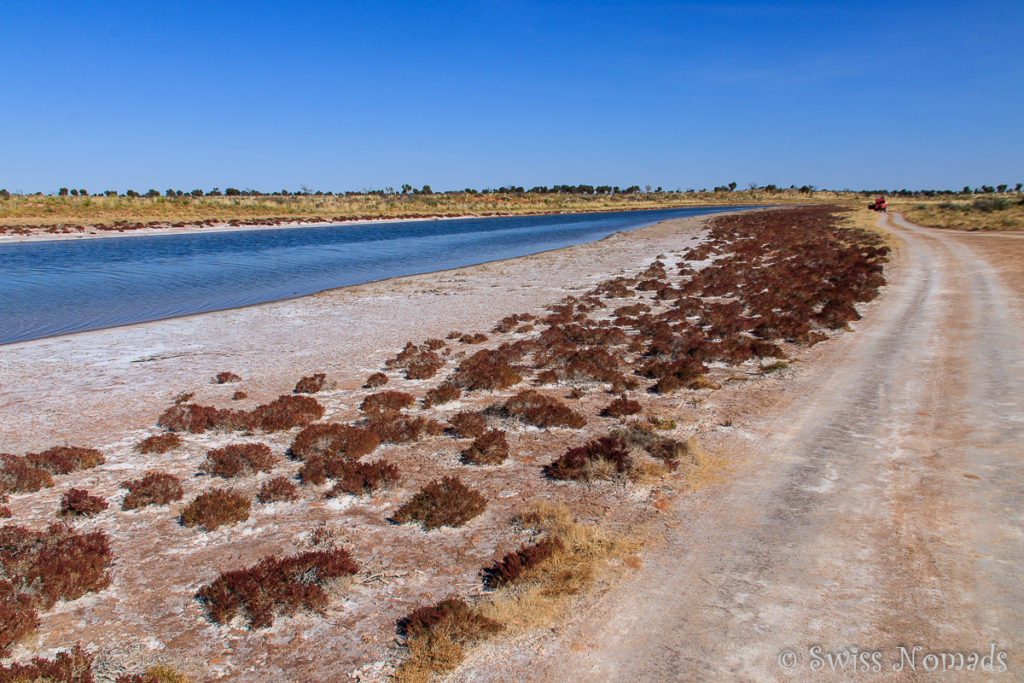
x,y
878,205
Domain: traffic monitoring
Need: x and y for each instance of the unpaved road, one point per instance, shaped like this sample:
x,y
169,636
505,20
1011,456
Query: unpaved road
x,y
877,503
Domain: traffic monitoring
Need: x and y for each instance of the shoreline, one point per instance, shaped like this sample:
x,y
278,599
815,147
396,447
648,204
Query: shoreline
x,y
163,228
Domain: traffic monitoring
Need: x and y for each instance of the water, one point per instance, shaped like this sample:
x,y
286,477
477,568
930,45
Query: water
x,y
51,288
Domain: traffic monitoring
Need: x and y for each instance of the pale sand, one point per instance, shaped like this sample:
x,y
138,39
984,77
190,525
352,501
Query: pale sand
x,y
89,388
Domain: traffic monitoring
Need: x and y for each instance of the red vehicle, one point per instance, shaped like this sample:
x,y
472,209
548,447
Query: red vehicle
x,y
879,204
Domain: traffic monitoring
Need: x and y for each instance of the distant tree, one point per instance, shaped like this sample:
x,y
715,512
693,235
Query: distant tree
x,y
4,194
988,189
1001,188
732,186
647,188
131,193
178,193
152,193
426,190
1019,185
215,192
62,192
807,189
196,193
234,192
74,192
632,189
170,193
82,193
658,189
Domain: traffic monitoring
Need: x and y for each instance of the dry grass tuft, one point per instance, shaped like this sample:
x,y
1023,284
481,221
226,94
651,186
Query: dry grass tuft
x,y
158,443
215,508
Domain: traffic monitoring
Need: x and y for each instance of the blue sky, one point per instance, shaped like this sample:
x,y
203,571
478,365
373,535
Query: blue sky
x,y
355,95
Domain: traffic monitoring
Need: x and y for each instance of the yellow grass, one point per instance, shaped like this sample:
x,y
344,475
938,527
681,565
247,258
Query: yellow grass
x,y
985,212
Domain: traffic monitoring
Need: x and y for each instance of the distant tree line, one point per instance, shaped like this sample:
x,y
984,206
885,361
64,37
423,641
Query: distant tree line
x,y
586,190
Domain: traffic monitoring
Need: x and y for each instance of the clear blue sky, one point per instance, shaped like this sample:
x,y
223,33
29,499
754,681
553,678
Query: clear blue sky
x,y
336,96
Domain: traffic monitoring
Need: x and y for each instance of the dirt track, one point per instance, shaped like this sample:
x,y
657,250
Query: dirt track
x,y
876,502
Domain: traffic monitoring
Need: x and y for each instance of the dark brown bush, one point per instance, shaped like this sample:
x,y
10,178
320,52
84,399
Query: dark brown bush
x,y
385,401
486,370
490,448
66,459
475,338
434,344
79,502
542,411
277,586
547,377
226,377
468,423
377,379
239,460
75,666
155,488
357,478
158,443
214,508
311,384
447,502
286,412
443,393
515,564
451,616
393,427
18,475
239,395
278,489
598,459
18,617
328,437
418,362
622,406
196,419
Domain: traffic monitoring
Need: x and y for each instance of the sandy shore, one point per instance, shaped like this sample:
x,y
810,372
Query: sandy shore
x,y
90,386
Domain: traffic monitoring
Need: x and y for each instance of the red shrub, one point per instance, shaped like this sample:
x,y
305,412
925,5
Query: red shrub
x,y
394,427
155,488
79,502
542,411
452,617
277,489
418,362
468,424
239,460
75,665
490,448
486,369
377,379
622,406
434,344
310,385
547,377
447,502
328,437
356,478
214,508
444,393
18,475
277,586
239,395
159,443
66,459
196,419
286,412
475,338
386,400
226,377
517,563
587,461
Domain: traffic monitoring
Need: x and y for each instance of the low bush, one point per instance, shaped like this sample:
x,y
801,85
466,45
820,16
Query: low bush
x,y
475,338
515,564
277,586
541,411
75,665
621,407
444,393
393,427
66,459
158,673
447,502
197,419
311,384
468,424
357,478
18,475
486,370
239,395
328,437
239,460
278,489
155,488
18,618
377,379
437,636
158,443
602,458
490,448
79,502
385,401
215,508
226,377
547,377
418,362
286,412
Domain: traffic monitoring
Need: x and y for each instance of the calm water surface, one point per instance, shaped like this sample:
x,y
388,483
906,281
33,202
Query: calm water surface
x,y
51,288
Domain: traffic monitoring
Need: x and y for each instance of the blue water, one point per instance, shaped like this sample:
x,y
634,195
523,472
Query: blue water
x,y
50,288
